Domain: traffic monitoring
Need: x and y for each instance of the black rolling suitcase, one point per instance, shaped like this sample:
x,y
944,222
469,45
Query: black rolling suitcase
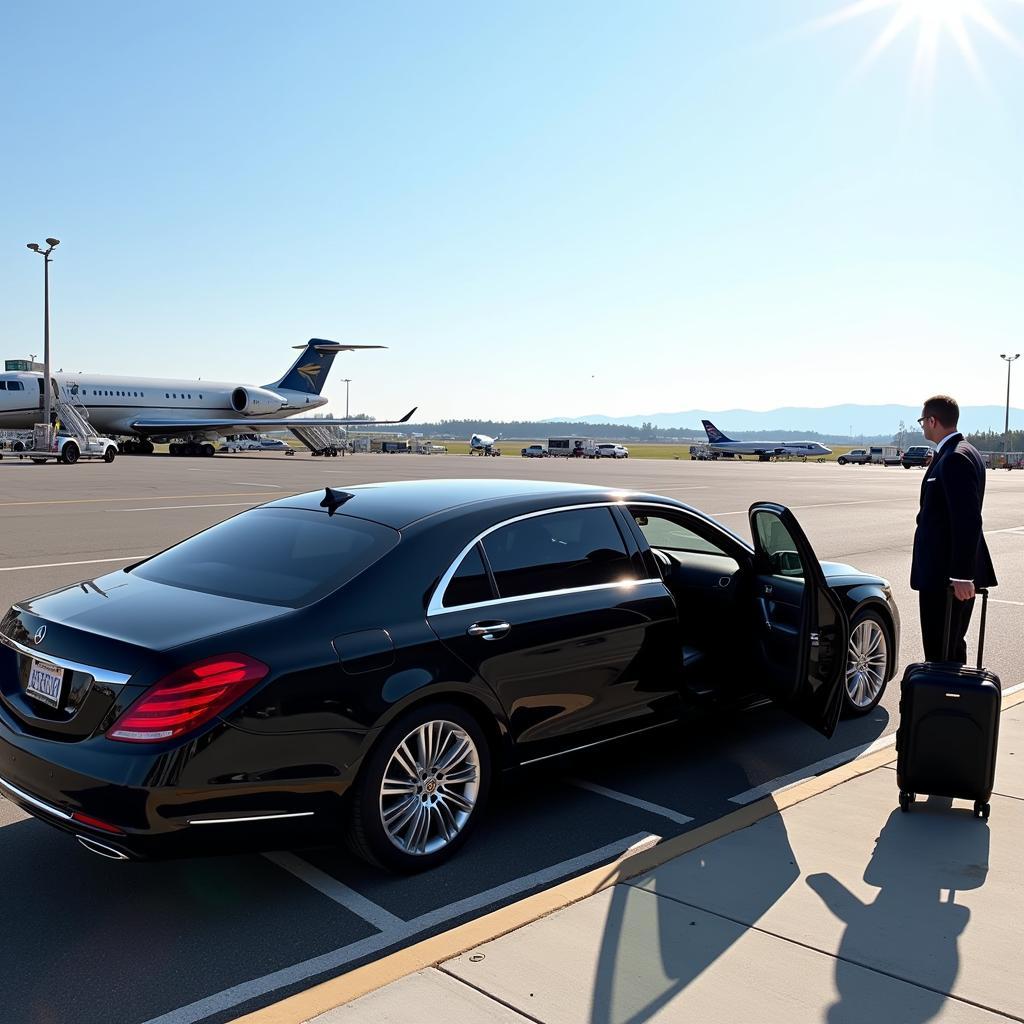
x,y
949,725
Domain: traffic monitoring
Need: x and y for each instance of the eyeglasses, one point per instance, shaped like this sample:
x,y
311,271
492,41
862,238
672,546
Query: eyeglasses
x,y
920,422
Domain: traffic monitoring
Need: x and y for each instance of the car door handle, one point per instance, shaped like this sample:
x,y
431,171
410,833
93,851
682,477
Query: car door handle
x,y
488,630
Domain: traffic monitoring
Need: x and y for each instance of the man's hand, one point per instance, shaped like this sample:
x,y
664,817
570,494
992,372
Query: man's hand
x,y
963,591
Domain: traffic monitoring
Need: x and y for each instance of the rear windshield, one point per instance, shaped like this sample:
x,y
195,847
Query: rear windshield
x,y
280,556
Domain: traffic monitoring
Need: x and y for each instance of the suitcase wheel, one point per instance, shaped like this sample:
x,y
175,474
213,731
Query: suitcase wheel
x,y
906,799
981,810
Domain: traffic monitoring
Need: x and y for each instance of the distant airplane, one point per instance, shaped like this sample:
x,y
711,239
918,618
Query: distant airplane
x,y
481,444
147,409
764,450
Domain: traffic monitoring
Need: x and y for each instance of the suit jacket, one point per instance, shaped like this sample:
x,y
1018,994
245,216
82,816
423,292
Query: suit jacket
x,y
949,542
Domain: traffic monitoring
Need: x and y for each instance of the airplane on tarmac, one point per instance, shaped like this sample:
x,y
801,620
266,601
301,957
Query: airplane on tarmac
x,y
144,410
481,444
764,450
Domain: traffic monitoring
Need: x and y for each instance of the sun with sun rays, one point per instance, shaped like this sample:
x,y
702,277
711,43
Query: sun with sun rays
x,y
934,21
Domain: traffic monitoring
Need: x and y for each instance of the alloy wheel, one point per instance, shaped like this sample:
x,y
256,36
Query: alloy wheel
x,y
430,788
866,663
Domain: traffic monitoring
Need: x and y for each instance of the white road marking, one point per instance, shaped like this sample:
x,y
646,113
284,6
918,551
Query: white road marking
x,y
338,958
646,805
810,770
161,508
1013,689
1008,529
87,561
826,504
1002,600
358,904
686,487
254,483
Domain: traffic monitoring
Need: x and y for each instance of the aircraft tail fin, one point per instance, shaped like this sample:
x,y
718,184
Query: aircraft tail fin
x,y
309,372
715,436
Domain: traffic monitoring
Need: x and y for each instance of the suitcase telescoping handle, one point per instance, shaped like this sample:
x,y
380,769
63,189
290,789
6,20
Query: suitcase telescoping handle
x,y
981,626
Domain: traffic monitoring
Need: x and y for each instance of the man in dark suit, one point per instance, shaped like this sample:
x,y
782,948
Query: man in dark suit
x,y
949,545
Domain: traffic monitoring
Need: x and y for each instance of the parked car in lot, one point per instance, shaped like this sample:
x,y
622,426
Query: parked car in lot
x,y
917,455
274,444
611,451
534,451
374,656
881,455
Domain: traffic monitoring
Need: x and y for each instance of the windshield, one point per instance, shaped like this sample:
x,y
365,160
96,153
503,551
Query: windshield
x,y
280,556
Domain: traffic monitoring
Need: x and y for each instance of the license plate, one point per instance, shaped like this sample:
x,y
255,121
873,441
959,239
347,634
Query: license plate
x,y
45,683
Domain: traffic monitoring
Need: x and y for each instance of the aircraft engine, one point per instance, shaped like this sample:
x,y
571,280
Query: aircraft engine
x,y
255,401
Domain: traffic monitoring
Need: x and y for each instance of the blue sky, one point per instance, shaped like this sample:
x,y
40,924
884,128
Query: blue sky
x,y
541,208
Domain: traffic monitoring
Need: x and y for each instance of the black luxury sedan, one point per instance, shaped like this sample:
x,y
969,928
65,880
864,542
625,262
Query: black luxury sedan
x,y
363,661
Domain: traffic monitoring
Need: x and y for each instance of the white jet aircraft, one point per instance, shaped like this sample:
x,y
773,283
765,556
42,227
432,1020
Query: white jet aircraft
x,y
764,450
482,444
142,410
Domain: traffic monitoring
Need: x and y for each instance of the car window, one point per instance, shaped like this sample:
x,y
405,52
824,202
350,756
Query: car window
x,y
278,556
470,583
662,532
778,544
560,551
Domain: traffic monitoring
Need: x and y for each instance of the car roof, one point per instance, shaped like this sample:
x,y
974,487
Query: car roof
x,y
399,503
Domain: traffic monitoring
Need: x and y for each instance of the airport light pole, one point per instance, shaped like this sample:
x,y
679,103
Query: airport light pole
x,y
347,380
1006,426
52,244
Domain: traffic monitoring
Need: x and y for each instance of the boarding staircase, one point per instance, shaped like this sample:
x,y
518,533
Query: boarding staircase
x,y
73,415
316,439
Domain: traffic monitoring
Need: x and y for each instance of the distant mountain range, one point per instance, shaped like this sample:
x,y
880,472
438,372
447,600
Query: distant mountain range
x,y
832,421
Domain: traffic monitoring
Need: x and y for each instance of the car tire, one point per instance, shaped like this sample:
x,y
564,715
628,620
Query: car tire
x,y
379,829
108,455
69,453
868,660
842,460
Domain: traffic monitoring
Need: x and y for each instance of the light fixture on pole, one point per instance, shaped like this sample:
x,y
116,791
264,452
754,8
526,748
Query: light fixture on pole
x,y
52,244
347,380
1006,426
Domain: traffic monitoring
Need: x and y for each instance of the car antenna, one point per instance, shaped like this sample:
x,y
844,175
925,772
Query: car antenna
x,y
333,500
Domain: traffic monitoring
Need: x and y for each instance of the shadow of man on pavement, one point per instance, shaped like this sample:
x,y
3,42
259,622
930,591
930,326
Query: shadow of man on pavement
x,y
912,927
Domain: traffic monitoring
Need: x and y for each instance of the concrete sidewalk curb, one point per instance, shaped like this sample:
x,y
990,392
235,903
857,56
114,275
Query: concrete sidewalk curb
x,y
314,1001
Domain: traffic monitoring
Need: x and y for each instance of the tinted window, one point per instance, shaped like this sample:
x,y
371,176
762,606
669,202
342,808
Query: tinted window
x,y
580,548
662,532
15,385
470,582
778,544
276,556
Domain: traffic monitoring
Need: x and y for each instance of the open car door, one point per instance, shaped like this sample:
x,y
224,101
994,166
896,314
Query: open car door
x,y
802,629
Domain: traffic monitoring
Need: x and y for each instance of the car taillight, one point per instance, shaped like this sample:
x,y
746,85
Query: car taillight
x,y
88,819
188,698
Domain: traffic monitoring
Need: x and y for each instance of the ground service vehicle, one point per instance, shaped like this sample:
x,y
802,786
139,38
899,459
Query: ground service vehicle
x,y
534,451
359,664
881,455
917,455
611,451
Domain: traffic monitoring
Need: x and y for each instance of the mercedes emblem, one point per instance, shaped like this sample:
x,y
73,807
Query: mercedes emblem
x,y
40,635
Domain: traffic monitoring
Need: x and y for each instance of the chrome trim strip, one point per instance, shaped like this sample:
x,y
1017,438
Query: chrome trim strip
x,y
39,804
101,675
101,849
620,585
598,743
252,817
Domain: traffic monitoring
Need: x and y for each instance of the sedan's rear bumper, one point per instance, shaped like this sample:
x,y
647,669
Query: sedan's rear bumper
x,y
145,805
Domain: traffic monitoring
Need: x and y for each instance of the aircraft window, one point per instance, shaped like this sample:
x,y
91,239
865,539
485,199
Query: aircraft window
x,y
662,532
470,583
303,556
190,398
3,385
579,548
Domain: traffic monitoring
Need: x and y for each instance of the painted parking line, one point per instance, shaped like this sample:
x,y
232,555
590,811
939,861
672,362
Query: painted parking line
x,y
1003,600
57,565
810,770
164,508
137,497
338,958
256,483
625,798
826,504
1012,689
1008,529
351,900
